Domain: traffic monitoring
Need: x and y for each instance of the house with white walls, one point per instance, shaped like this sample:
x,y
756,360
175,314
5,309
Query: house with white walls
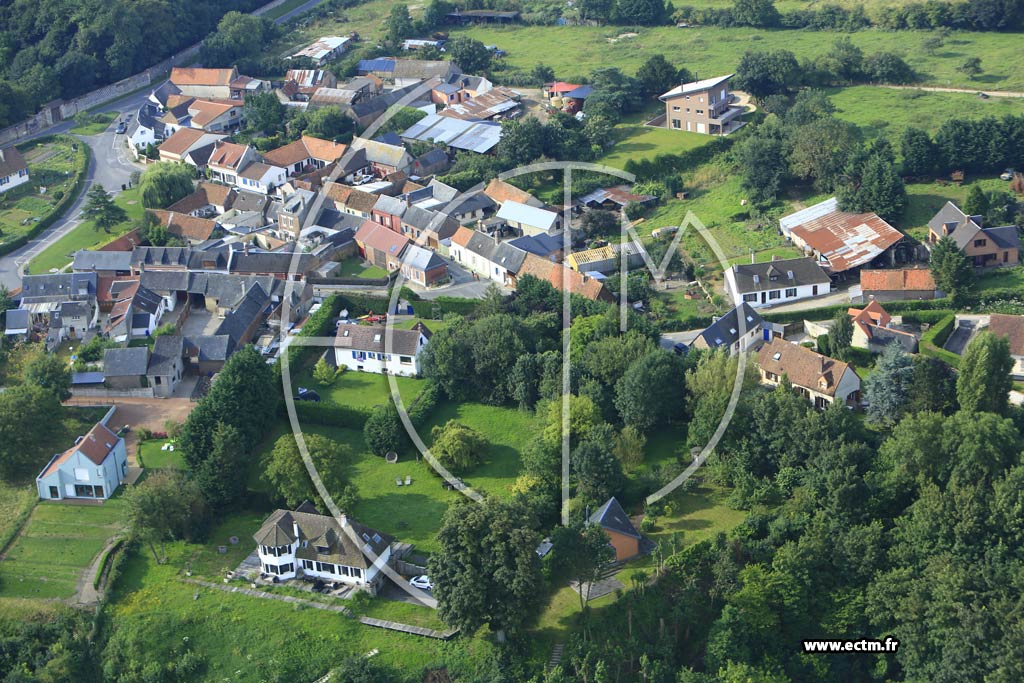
x,y
363,348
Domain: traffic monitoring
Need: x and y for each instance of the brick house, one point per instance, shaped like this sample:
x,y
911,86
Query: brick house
x,y
702,107
818,378
622,535
986,247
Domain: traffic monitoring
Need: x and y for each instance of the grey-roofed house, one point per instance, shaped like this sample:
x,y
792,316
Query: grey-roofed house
x,y
985,247
166,365
383,159
125,368
274,263
363,348
433,162
487,256
108,263
423,266
622,535
206,354
303,543
17,323
548,247
58,287
241,323
770,283
737,331
529,220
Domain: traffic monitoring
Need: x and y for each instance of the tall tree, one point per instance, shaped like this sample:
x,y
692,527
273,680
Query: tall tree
x,y
888,387
598,472
222,476
265,114
399,24
162,508
932,387
285,470
581,553
951,270
22,405
918,151
471,55
762,73
840,335
984,382
49,371
642,12
656,75
651,392
763,165
487,570
761,13
976,203
101,209
457,447
164,183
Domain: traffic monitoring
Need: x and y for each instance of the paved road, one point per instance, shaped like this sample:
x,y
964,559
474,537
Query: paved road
x,y
110,166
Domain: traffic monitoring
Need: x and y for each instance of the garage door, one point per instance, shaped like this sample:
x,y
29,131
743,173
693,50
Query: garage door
x,y
701,128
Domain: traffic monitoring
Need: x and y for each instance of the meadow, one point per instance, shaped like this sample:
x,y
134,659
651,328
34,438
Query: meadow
x,y
85,235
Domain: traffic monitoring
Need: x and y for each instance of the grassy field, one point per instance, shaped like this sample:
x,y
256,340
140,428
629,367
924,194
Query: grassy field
x,y
574,51
99,122
360,389
241,637
880,111
355,267
16,500
925,199
51,165
282,9
151,457
636,141
58,543
86,236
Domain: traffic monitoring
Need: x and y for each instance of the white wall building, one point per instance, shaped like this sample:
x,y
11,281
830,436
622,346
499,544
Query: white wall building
x,y
13,169
776,282
362,348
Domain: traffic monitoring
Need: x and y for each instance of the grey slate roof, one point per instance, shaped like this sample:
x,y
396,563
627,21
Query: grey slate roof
x,y
372,338
611,516
539,245
146,300
325,531
210,347
57,287
754,277
271,262
726,330
161,256
418,217
126,362
140,320
86,260
1006,236
166,348
390,205
252,306
75,309
503,254
422,259
16,320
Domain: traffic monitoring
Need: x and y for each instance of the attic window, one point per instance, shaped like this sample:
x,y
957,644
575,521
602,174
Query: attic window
x,y
757,279
376,538
750,319
322,549
366,536
789,274
367,549
345,333
376,338
732,330
777,355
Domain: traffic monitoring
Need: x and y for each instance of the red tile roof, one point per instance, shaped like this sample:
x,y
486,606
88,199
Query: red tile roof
x,y
185,226
380,238
803,367
1012,328
227,154
197,76
564,278
872,314
903,279
95,445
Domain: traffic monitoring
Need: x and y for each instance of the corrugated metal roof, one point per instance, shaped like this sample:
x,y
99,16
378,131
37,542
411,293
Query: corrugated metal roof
x,y
527,215
475,136
787,223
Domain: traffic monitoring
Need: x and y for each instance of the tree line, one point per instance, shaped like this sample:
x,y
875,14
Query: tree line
x,y
58,49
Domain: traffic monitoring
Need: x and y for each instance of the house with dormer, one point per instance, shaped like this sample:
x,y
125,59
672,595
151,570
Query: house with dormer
x,y
302,543
737,331
818,378
91,469
985,247
776,282
364,348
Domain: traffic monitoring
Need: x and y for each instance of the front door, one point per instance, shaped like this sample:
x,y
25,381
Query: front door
x,y
764,297
814,290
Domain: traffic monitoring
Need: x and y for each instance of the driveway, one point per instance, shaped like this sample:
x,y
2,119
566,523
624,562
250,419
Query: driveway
x,y
200,322
463,285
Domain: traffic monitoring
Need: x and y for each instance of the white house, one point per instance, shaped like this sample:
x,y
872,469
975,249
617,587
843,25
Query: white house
x,y
13,169
776,282
304,543
260,177
93,468
360,347
486,256
738,331
529,220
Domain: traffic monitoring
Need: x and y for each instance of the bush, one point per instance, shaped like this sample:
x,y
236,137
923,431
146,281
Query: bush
x,y
144,434
935,337
330,414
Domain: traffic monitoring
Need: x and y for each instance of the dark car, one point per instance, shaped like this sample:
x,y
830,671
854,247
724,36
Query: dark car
x,y
680,348
121,128
307,395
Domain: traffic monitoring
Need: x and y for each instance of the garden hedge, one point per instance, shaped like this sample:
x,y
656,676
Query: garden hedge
x,y
934,338
61,206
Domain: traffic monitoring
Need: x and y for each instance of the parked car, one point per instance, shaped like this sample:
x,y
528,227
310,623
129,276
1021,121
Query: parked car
x,y
421,582
1007,174
121,128
305,394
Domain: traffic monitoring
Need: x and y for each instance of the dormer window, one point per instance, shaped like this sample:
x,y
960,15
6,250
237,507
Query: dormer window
x,y
322,550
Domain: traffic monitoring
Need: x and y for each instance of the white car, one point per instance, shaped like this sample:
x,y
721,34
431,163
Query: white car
x,y
421,582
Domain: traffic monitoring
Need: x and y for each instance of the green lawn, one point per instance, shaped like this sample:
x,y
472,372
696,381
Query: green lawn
x,y
636,141
356,267
86,236
16,500
152,457
886,111
52,166
710,50
99,123
240,637
58,543
283,8
360,389
1002,278
925,199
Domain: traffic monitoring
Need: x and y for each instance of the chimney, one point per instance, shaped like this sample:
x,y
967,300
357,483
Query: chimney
x,y
295,529
497,240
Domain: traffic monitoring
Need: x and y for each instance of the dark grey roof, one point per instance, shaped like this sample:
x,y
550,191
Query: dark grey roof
x,y
389,138
337,220
146,300
503,254
475,202
16,319
164,90
754,277
126,362
101,260
390,205
224,288
422,259
210,347
375,105
372,338
165,280
252,306
80,378
726,330
271,262
75,309
161,256
250,201
611,516
140,320
1006,236
433,157
57,287
418,218
538,245
166,348
345,545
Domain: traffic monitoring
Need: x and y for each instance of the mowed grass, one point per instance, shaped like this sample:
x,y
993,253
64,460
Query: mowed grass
x,y
241,637
925,199
151,456
887,112
638,142
360,389
355,267
15,502
575,51
86,236
99,122
58,544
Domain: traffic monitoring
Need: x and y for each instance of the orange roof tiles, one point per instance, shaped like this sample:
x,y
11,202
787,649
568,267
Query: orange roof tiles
x,y
1012,328
198,76
903,279
803,367
563,278
95,445
181,140
185,226
227,154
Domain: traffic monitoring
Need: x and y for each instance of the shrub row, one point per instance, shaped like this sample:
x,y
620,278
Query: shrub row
x,y
828,312
934,338
317,325
61,206
331,414
927,317
104,561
